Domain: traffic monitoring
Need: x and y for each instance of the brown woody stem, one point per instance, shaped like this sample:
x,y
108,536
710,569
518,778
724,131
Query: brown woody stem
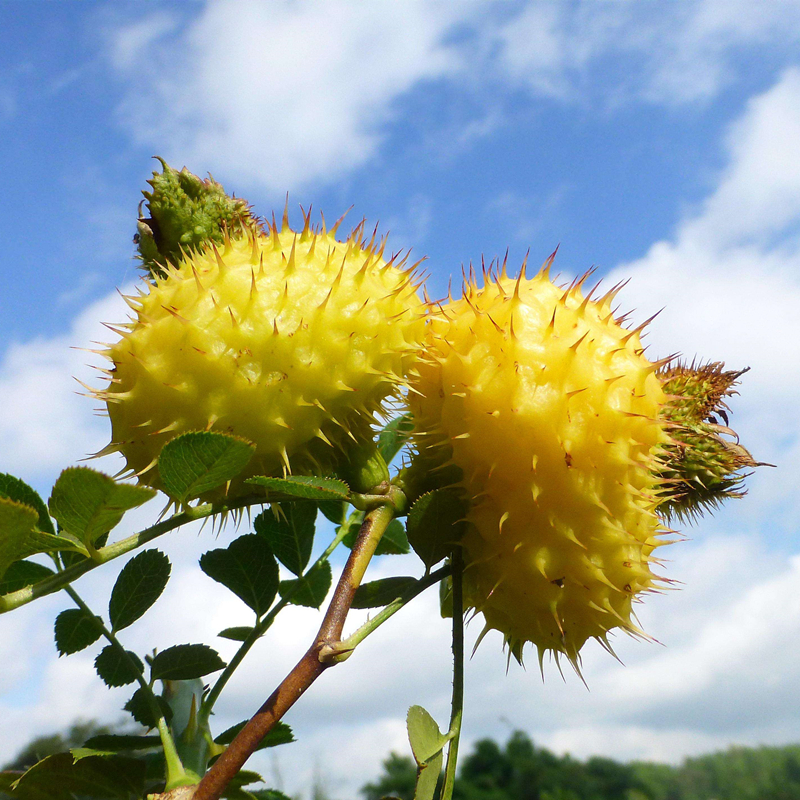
x,y
310,666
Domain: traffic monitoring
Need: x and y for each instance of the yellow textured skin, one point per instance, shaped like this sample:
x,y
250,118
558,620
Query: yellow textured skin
x,y
291,340
550,408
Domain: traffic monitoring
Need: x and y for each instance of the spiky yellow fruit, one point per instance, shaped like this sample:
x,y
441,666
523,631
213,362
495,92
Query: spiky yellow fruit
x,y
292,340
550,409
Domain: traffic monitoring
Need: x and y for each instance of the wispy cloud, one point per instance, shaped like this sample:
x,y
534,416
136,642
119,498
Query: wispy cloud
x,y
669,53
283,93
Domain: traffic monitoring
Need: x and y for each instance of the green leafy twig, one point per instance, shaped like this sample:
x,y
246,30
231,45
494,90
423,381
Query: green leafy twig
x,y
176,774
108,553
315,661
258,631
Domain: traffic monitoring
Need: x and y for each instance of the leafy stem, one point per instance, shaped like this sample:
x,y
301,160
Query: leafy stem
x,y
315,661
346,647
458,675
176,774
102,555
258,631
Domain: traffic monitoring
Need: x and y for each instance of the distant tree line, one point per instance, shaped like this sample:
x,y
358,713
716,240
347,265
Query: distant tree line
x,y
522,771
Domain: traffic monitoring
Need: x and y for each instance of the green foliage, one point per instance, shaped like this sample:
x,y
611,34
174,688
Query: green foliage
x,y
17,537
87,503
246,567
139,708
75,630
117,668
199,461
138,586
15,489
183,662
435,524
304,488
521,771
238,633
381,592
21,574
310,590
394,541
289,530
62,777
280,734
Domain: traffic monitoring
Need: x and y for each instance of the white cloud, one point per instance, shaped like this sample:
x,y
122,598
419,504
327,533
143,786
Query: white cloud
x,y
681,51
46,424
281,93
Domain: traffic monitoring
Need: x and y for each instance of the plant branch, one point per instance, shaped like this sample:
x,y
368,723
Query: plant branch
x,y
57,582
458,676
310,666
351,642
258,631
176,774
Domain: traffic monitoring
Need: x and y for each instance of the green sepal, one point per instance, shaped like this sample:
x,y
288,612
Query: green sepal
x,y
186,213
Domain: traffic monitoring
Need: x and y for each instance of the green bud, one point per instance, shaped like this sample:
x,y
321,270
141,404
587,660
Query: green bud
x,y
185,213
703,463
366,468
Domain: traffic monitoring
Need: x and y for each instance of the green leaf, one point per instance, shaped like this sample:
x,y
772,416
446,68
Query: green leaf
x,y
60,777
115,742
139,708
198,461
21,574
115,669
424,735
269,794
88,503
185,662
281,733
237,634
15,489
394,541
289,529
381,592
246,567
310,590
394,435
17,537
428,777
304,487
436,524
75,630
139,585
334,510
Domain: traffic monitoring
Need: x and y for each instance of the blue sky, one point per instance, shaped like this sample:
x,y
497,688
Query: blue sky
x,y
654,140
